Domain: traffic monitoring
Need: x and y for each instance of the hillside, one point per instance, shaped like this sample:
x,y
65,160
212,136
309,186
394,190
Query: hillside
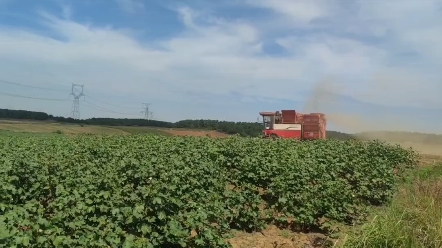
x,y
252,129
241,128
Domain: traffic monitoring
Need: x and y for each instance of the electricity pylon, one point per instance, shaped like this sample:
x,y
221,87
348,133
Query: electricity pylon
x,y
77,93
148,115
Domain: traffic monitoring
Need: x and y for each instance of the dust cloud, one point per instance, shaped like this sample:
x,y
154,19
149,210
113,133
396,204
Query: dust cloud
x,y
382,125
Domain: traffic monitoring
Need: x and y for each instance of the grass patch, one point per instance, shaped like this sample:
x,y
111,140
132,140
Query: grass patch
x,y
412,220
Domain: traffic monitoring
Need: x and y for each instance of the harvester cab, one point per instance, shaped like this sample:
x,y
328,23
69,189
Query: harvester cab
x,y
269,120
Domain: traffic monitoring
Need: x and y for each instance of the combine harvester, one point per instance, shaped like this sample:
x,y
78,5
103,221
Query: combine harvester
x,y
292,125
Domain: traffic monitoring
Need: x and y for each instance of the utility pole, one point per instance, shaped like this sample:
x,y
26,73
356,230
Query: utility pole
x,y
77,93
147,114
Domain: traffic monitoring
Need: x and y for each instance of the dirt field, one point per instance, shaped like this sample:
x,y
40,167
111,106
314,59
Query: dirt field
x,y
424,143
423,148
273,237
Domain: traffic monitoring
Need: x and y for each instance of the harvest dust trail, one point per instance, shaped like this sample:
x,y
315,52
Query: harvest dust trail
x,y
325,98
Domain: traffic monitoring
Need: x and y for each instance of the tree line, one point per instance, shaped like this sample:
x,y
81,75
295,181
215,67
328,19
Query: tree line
x,y
246,129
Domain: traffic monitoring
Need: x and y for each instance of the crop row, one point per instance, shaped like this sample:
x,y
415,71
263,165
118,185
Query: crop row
x,y
148,191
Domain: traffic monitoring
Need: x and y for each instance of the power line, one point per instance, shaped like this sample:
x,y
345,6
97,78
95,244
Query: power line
x,y
35,98
109,103
62,100
60,90
30,86
107,110
77,95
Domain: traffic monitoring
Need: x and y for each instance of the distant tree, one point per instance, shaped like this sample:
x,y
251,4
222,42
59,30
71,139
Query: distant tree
x,y
23,114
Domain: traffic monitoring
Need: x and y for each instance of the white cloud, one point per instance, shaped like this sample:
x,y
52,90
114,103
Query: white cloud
x,y
334,55
216,38
394,27
358,49
131,6
299,11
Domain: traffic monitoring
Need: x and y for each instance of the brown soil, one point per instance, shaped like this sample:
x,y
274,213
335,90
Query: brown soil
x,y
430,160
423,148
185,132
274,237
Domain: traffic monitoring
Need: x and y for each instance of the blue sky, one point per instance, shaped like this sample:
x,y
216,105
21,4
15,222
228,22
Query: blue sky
x,y
367,64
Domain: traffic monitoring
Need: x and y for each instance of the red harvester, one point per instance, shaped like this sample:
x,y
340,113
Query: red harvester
x,y
293,125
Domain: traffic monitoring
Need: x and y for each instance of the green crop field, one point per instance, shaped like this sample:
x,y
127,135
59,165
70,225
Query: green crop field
x,y
154,191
